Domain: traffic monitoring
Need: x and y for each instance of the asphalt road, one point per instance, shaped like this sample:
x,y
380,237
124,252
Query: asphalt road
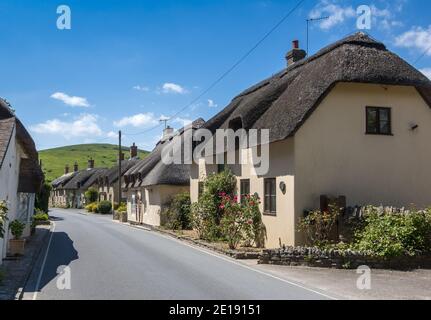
x,y
108,260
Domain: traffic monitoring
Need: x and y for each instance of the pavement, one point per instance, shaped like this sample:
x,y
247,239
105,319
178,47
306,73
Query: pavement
x,y
113,261
17,270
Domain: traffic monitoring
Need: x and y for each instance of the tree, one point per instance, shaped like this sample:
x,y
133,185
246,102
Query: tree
x,y
42,198
91,195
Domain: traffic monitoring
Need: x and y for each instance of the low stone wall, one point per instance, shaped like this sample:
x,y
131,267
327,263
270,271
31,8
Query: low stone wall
x,y
315,257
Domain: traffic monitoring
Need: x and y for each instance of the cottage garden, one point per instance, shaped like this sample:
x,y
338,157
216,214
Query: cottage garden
x,y
378,237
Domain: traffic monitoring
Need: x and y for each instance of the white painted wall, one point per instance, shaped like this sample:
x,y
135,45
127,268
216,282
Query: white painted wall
x,y
9,175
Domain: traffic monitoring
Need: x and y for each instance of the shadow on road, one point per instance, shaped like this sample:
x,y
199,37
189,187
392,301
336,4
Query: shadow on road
x,y
61,253
54,218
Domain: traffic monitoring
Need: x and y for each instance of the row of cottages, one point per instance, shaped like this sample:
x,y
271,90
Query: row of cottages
x,y
151,184
353,120
20,173
108,182
69,190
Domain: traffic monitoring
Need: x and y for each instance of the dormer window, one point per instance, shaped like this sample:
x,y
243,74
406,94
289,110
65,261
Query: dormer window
x,y
379,121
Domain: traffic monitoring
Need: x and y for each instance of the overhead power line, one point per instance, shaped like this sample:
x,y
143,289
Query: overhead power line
x,y
228,71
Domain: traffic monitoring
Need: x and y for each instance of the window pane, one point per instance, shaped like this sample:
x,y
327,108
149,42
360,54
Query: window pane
x,y
384,127
273,204
371,120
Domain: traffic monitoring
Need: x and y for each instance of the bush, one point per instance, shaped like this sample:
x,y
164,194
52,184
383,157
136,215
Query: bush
x,y
206,214
178,215
91,195
41,217
241,221
318,225
3,217
394,234
122,207
17,228
92,207
104,207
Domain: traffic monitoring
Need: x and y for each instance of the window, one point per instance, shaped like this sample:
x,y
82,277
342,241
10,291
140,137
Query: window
x,y
270,198
244,188
379,121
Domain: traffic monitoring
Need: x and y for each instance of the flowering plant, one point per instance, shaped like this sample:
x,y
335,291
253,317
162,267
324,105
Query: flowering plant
x,y
241,220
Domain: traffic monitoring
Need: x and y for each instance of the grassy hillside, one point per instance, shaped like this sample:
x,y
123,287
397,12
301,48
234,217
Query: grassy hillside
x,y
105,156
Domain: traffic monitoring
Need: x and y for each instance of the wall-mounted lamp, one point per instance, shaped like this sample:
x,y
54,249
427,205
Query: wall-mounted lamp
x,y
414,127
283,187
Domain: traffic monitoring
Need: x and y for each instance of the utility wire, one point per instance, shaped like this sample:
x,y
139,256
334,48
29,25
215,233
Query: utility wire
x,y
227,72
422,55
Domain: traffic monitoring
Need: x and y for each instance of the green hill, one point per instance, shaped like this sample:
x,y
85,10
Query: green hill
x,y
105,156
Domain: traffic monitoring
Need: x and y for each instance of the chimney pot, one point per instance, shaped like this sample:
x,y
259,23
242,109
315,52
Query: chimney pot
x,y
75,167
167,133
133,151
66,169
295,54
90,163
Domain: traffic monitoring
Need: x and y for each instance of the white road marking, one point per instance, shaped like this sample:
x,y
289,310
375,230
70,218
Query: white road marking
x,y
43,263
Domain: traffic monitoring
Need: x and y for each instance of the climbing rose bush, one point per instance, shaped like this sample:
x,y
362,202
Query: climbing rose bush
x,y
241,220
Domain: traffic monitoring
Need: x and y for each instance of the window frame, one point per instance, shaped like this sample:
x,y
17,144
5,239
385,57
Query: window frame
x,y
269,210
241,193
378,122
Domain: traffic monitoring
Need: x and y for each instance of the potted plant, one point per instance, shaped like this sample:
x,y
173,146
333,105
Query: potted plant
x,y
16,245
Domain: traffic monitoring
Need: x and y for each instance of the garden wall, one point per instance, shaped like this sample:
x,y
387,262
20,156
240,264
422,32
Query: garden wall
x,y
315,257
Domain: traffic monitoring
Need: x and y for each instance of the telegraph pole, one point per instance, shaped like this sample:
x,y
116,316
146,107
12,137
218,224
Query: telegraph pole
x,y
119,166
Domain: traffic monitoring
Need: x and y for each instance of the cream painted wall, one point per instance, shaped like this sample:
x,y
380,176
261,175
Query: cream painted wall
x,y
281,166
334,156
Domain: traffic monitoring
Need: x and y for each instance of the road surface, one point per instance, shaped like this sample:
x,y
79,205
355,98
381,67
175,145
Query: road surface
x,y
108,260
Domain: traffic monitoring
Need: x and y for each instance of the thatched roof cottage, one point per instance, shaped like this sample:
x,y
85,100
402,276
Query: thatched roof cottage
x,y
353,120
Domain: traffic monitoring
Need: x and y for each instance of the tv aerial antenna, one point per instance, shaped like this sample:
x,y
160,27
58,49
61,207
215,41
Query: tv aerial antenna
x,y
309,21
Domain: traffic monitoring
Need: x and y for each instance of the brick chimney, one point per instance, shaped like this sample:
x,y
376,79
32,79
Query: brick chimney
x,y
75,167
122,156
167,133
90,163
133,151
295,54
66,169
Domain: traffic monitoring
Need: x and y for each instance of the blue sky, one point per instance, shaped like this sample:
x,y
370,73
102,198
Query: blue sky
x,y
124,64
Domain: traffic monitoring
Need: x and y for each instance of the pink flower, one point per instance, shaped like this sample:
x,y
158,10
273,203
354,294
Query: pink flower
x,y
222,206
250,221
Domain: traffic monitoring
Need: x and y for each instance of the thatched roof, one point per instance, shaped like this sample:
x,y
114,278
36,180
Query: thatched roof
x,y
93,179
110,176
283,102
31,171
6,130
80,179
61,181
152,171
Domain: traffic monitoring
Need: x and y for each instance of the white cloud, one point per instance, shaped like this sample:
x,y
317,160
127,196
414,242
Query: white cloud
x,y
427,72
337,14
416,38
173,88
72,101
112,134
212,104
183,121
137,120
83,126
141,88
